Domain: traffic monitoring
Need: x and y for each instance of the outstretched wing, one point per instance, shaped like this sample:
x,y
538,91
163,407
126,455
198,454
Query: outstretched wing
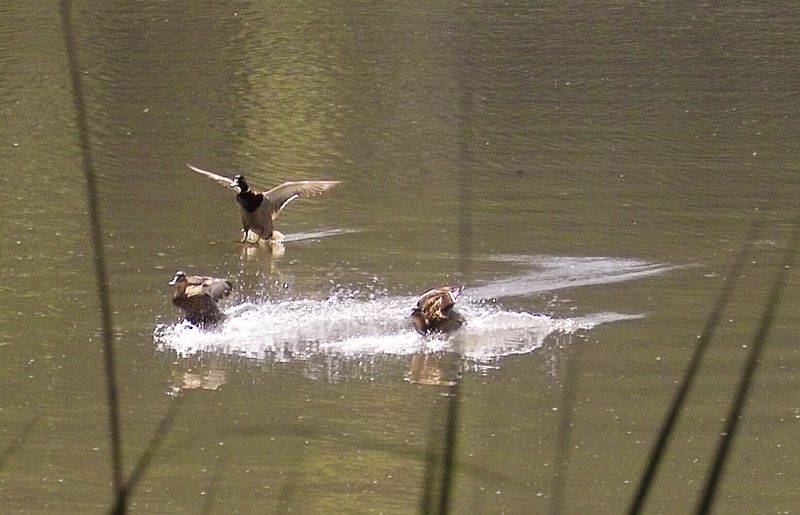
x,y
280,196
217,288
225,181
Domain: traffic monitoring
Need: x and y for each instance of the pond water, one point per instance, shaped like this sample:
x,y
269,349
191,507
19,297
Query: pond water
x,y
587,170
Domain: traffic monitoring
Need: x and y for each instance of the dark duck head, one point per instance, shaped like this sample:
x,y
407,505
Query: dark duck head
x,y
248,199
239,184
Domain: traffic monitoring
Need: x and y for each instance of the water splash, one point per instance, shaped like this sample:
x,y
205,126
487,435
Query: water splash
x,y
347,328
316,235
290,330
548,273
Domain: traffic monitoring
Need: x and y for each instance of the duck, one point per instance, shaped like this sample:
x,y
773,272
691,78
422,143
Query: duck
x,y
259,209
435,311
197,297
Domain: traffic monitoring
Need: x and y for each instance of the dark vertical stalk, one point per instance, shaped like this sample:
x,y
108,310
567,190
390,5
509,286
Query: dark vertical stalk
x,y
565,431
465,179
449,454
78,98
147,455
465,190
17,441
678,401
706,501
428,504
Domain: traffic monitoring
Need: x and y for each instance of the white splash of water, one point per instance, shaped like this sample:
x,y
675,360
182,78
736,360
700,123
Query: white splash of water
x,y
344,326
548,273
302,329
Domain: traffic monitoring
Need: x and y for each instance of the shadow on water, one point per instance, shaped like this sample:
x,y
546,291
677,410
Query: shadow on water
x,y
18,441
98,252
564,433
683,389
706,500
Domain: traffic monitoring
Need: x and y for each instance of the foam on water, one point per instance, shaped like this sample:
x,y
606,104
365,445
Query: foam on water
x,y
301,329
547,273
347,326
316,235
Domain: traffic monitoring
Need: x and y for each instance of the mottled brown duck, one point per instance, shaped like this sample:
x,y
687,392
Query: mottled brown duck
x,y
198,296
435,311
260,209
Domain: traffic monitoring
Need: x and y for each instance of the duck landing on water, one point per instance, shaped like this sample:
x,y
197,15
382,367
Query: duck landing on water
x,y
198,296
260,209
435,311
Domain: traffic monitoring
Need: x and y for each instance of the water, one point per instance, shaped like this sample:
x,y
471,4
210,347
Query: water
x,y
588,172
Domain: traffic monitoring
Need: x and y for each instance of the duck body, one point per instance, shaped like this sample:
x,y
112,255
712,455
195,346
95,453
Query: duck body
x,y
197,297
260,209
435,311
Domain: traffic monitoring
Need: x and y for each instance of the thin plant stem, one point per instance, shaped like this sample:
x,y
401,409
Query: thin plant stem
x,y
716,472
96,234
668,426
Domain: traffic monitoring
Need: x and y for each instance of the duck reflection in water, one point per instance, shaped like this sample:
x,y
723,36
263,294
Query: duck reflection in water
x,y
197,297
435,311
202,372
434,368
262,249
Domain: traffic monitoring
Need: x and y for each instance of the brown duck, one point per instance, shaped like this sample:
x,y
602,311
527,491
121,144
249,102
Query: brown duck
x,y
435,311
197,297
260,209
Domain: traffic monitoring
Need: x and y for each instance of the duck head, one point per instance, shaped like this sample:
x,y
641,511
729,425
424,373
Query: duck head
x,y
178,278
239,184
454,292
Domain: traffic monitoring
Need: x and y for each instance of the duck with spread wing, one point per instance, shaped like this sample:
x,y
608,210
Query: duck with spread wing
x,y
260,209
197,297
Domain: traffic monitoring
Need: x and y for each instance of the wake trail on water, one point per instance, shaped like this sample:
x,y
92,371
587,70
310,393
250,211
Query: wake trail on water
x,y
347,326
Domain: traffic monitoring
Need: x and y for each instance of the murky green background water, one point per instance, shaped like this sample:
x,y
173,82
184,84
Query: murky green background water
x,y
476,142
